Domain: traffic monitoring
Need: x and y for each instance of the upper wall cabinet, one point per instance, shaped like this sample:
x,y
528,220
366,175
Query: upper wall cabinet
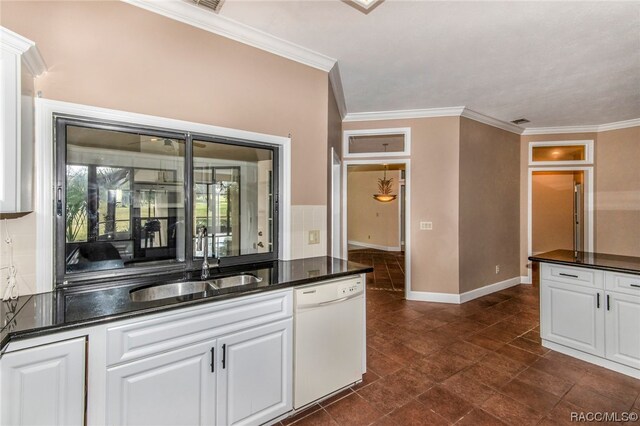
x,y
21,63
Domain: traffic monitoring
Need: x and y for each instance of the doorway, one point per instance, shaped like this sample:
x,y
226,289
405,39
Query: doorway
x,y
376,230
560,214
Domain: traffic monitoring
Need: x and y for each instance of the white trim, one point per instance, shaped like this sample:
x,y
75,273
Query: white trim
x,y
45,182
525,279
588,200
582,129
593,359
30,55
336,185
374,246
338,90
427,296
619,125
488,289
193,15
485,119
406,131
588,148
407,214
404,114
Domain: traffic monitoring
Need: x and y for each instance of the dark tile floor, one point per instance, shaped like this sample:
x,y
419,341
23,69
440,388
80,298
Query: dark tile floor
x,y
479,363
388,268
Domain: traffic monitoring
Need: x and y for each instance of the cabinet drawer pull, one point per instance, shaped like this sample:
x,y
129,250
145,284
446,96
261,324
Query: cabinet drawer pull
x,y
597,300
635,285
213,359
608,305
568,275
224,355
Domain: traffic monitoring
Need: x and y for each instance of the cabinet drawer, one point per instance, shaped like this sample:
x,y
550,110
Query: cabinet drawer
x,y
578,276
167,331
622,283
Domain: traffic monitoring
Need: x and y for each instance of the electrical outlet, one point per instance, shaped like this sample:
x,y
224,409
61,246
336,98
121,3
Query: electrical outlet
x,y
426,226
314,236
497,269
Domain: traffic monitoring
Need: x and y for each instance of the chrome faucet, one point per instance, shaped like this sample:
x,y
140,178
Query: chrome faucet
x,y
202,236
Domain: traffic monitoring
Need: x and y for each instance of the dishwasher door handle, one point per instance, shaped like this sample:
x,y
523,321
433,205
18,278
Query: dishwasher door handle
x,y
329,302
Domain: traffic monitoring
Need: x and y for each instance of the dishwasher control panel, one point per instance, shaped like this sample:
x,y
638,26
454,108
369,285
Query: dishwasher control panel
x,y
350,287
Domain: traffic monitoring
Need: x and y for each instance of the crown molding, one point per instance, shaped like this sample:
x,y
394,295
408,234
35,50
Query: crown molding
x,y
582,129
476,116
193,15
28,50
404,114
338,91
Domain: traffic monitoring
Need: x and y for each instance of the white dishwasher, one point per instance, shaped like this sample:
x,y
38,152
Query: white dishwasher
x,y
329,338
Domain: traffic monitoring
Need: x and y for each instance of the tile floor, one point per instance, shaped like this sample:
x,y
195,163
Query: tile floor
x,y
388,268
479,363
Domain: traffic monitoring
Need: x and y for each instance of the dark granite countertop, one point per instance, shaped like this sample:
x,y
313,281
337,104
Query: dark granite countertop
x,y
44,313
607,262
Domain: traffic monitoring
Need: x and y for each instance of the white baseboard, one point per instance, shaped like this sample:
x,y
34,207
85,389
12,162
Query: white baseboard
x,y
602,362
374,246
488,289
426,296
525,279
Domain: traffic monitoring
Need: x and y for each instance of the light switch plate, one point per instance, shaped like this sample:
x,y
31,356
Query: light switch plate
x,y
314,236
426,226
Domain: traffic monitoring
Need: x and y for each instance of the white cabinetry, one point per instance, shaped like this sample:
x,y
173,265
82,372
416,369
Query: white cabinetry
x,y
224,364
172,388
573,316
20,63
253,383
44,385
592,314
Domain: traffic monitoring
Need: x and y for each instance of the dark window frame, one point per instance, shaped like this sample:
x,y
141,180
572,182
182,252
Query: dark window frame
x,y
64,279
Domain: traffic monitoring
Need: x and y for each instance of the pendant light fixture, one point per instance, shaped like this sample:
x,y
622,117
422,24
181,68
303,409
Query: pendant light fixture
x,y
384,194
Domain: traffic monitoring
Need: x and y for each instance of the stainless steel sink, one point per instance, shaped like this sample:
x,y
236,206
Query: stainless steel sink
x,y
165,291
235,281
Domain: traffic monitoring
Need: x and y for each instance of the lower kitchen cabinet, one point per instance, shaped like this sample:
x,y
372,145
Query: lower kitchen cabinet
x,y
623,329
573,315
254,383
44,385
172,388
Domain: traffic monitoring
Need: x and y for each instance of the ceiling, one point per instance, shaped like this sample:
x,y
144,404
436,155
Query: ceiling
x,y
555,63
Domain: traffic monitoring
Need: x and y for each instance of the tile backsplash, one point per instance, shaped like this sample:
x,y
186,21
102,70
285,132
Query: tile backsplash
x,y
23,235
306,220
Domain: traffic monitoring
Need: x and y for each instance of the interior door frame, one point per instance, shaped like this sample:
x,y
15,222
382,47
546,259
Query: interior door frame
x,y
588,202
336,209
407,214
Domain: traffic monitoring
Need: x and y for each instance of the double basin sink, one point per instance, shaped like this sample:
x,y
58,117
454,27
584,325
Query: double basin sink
x,y
164,291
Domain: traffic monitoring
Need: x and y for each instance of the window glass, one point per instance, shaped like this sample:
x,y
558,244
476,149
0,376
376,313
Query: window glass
x,y
232,199
559,153
124,199
376,144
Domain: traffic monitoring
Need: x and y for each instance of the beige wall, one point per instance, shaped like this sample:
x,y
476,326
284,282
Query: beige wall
x,y
617,184
434,197
616,190
489,204
552,211
114,55
370,221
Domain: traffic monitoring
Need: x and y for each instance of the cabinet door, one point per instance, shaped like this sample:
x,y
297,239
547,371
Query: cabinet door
x,y
254,383
173,388
44,385
573,316
623,329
